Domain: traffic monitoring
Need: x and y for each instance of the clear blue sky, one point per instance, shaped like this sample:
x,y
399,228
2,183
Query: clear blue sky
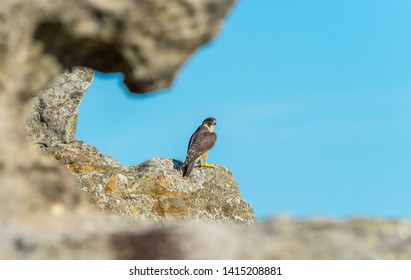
x,y
312,100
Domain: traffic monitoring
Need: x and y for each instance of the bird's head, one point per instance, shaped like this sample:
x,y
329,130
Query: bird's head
x,y
210,122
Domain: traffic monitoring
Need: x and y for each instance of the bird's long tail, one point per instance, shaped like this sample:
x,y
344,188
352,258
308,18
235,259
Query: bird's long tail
x,y
187,168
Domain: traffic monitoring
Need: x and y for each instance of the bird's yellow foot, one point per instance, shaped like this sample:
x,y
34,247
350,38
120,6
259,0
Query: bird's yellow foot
x,y
207,165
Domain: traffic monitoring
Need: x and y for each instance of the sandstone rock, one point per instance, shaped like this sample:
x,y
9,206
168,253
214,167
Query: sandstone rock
x,y
146,40
152,191
54,113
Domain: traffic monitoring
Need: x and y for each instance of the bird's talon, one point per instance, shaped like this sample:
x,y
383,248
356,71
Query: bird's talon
x,y
207,165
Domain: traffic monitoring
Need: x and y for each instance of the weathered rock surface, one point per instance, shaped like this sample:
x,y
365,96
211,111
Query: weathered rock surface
x,y
42,213
152,191
53,117
146,40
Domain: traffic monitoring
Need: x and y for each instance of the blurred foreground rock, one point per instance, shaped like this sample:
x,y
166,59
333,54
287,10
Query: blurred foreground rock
x,y
279,238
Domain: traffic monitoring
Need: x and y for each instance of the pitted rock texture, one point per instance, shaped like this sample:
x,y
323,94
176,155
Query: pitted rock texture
x,y
152,191
53,117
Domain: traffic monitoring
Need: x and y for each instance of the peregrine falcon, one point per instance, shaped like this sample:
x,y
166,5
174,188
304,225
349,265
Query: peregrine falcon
x,y
201,142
